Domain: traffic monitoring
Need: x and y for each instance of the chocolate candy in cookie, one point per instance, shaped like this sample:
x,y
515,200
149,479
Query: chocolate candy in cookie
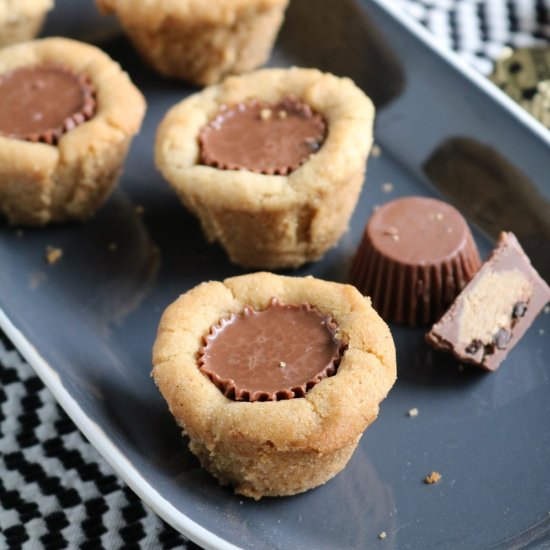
x,y
495,309
416,255
42,102
262,137
278,353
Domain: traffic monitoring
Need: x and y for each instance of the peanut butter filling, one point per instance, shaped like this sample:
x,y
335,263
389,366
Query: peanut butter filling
x,y
489,308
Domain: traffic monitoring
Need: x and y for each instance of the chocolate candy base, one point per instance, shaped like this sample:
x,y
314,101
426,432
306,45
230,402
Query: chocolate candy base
x,y
495,309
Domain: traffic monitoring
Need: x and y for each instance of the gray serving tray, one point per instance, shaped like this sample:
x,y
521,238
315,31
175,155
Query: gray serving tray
x,y
87,324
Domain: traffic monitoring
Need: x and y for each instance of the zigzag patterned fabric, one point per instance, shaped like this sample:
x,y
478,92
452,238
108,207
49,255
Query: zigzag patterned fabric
x,y
478,30
55,489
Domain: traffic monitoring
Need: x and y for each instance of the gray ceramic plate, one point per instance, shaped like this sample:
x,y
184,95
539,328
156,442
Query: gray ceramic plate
x,y
87,324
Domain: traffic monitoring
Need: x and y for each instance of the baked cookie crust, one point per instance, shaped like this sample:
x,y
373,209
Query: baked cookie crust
x,y
272,221
274,448
21,20
197,40
41,183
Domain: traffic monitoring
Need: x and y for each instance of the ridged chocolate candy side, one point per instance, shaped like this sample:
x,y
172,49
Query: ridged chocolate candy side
x,y
415,257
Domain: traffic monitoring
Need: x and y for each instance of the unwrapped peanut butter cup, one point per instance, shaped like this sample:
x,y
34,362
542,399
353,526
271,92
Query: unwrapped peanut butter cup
x,y
496,308
274,354
415,257
40,103
262,137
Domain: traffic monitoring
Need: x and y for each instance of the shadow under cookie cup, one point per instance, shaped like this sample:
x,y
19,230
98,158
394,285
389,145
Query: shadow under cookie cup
x,y
272,221
42,183
274,448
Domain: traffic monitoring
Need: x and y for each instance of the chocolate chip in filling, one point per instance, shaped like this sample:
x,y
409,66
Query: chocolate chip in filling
x,y
262,137
40,103
274,354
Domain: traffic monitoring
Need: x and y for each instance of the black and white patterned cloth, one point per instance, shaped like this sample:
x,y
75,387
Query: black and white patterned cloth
x,y
478,30
55,489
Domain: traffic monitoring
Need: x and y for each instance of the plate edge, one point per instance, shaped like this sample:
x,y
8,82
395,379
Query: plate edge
x,y
106,448
457,63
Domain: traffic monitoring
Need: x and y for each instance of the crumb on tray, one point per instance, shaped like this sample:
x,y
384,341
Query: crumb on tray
x,y
53,254
434,477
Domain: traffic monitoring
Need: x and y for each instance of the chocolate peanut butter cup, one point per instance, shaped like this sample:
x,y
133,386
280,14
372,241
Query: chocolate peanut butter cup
x,y
42,102
262,137
495,309
278,353
415,257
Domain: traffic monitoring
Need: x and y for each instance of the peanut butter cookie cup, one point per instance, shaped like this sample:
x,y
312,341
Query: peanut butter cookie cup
x,y
67,116
271,162
21,20
272,378
197,40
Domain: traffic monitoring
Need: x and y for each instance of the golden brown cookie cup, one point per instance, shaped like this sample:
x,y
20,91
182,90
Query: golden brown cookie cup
x,y
197,40
41,183
274,448
21,20
272,221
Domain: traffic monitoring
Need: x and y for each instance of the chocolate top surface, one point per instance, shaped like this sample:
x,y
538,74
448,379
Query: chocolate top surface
x,y
417,230
501,301
41,102
262,137
277,353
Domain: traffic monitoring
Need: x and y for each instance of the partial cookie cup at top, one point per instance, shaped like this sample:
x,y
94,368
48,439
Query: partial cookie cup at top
x,y
282,446
197,40
269,220
67,171
21,20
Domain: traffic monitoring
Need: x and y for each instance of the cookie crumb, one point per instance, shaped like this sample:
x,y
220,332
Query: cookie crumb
x,y
434,477
282,364
113,247
376,151
53,254
413,412
546,309
541,331
282,114
387,187
138,209
265,114
382,535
